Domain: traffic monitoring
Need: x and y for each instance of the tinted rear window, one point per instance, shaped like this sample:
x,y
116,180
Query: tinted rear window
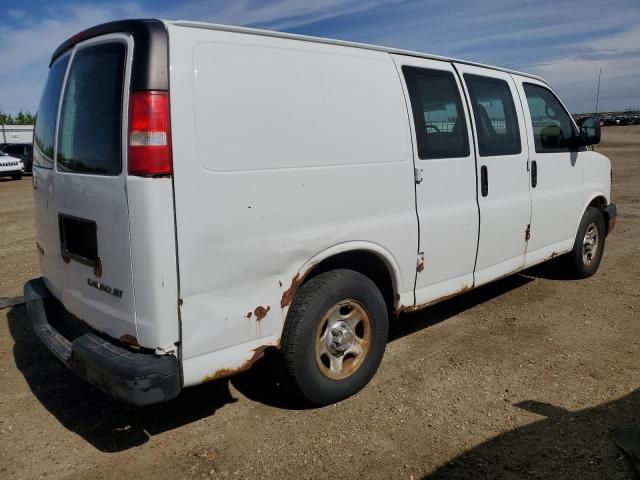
x,y
90,131
439,120
47,111
495,114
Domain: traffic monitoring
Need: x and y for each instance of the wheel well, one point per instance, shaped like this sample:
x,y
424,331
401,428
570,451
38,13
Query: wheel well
x,y
368,264
599,202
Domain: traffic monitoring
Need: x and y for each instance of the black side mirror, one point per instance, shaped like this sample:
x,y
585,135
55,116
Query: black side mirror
x,y
589,131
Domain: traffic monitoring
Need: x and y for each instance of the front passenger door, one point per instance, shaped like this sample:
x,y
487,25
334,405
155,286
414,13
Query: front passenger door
x,y
556,173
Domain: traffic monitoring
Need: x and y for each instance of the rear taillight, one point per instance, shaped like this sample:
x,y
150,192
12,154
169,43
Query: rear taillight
x,y
149,134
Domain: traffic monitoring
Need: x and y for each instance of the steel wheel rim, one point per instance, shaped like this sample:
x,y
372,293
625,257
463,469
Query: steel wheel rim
x,y
343,339
590,244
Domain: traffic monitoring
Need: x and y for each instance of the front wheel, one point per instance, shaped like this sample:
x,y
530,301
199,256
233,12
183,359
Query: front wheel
x,y
334,336
17,176
584,260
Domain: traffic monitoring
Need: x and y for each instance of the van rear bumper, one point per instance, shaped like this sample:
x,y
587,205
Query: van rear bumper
x,y
136,378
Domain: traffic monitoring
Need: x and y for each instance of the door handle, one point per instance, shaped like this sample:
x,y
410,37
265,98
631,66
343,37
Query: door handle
x,y
484,181
534,174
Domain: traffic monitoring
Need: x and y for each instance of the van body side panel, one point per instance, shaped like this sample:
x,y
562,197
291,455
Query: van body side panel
x,y
597,179
282,149
153,261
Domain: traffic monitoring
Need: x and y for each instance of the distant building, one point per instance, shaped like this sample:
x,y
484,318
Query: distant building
x,y
16,133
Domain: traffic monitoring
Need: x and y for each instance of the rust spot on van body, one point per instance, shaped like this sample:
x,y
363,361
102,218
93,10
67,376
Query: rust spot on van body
x,y
222,373
288,294
258,353
130,340
415,308
97,268
420,266
249,314
261,312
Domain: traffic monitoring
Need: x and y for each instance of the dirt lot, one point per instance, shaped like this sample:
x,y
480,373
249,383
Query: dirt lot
x,y
524,378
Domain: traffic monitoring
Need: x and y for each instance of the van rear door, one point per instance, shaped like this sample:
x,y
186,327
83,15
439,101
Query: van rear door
x,y
82,216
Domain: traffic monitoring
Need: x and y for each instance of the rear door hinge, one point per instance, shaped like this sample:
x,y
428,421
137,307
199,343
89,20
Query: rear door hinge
x,y
527,233
417,173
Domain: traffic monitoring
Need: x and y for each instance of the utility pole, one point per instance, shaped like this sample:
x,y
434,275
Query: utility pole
x,y
598,93
4,135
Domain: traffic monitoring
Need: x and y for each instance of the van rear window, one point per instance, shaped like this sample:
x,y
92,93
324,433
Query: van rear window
x,y
47,111
90,130
441,129
495,113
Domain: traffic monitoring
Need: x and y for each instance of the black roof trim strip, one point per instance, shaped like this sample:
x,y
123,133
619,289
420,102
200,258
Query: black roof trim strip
x,y
150,69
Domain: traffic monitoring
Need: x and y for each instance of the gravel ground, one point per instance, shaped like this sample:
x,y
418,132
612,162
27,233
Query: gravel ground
x,y
524,378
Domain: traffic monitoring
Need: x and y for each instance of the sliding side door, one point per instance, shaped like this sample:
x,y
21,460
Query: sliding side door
x,y
445,178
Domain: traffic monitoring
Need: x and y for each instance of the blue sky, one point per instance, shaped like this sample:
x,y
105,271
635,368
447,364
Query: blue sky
x,y
564,41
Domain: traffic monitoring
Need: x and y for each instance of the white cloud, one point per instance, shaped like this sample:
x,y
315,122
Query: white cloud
x,y
618,55
16,14
576,79
278,14
623,42
28,47
542,36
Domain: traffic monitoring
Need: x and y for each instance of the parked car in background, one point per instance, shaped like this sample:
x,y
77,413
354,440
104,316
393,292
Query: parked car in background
x,y
11,167
23,151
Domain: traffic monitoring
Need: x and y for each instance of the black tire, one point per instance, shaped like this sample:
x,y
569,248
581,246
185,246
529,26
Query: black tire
x,y
334,291
17,176
578,263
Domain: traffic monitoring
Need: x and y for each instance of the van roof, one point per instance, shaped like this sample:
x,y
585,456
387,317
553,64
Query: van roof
x,y
150,35
344,43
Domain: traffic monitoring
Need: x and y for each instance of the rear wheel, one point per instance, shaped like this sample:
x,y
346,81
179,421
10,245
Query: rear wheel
x,y
335,335
584,260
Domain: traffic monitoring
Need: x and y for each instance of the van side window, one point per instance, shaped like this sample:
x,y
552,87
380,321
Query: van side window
x,y
43,138
441,128
495,114
547,117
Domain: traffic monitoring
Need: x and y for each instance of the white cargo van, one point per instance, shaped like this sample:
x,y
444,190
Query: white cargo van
x,y
205,192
